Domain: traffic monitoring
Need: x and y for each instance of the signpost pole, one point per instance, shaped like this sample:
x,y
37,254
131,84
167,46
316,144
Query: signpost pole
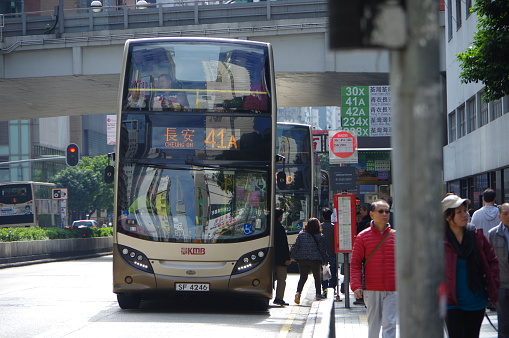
x,y
418,187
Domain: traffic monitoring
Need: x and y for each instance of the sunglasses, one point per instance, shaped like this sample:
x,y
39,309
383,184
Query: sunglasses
x,y
384,211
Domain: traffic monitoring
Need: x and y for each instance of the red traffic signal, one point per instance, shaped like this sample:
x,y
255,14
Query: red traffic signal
x,y
72,156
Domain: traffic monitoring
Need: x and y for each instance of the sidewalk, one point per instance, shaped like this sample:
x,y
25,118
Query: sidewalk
x,y
352,322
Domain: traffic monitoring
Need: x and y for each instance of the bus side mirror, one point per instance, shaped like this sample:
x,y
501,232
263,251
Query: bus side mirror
x,y
109,174
281,180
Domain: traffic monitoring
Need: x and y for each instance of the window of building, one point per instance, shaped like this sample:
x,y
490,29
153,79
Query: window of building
x,y
468,6
452,126
4,133
462,122
506,184
496,109
458,14
472,115
505,104
483,110
449,19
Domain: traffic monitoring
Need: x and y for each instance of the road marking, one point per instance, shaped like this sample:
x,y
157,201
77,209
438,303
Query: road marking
x,y
288,323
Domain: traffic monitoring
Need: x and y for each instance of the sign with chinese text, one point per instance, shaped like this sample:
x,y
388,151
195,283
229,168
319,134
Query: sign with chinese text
x,y
197,138
366,109
111,129
342,147
344,222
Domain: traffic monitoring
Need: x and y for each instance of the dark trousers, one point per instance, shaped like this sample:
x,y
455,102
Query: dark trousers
x,y
464,324
333,281
305,267
503,313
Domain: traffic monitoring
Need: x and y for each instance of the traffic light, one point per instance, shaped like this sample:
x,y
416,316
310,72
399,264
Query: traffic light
x,y
72,155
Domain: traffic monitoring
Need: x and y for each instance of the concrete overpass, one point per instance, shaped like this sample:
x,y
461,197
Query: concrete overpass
x,y
75,70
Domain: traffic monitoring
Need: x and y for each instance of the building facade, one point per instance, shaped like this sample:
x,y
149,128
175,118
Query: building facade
x,y
475,154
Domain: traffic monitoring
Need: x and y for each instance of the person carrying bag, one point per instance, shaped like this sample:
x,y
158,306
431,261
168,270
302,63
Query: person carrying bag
x,y
310,253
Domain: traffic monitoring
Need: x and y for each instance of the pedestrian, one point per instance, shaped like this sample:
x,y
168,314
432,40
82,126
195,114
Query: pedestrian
x,y
499,239
282,257
328,233
471,270
310,253
373,271
363,209
486,217
363,224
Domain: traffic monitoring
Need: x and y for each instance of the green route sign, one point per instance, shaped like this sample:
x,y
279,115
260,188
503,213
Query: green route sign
x,y
367,110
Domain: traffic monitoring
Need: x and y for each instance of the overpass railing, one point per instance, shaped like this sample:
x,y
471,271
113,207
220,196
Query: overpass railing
x,y
181,13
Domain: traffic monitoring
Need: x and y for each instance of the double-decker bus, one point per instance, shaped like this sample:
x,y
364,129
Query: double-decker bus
x,y
299,193
28,204
194,166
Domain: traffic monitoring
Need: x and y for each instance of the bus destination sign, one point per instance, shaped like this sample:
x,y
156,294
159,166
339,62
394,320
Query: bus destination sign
x,y
197,138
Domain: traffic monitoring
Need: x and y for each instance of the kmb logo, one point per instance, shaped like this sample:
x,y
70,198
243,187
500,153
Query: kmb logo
x,y
192,251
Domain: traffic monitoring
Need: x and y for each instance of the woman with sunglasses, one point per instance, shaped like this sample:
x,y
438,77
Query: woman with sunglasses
x,y
471,270
373,271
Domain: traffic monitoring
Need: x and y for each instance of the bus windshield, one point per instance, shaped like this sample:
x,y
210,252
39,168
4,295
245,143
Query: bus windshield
x,y
197,76
296,197
196,205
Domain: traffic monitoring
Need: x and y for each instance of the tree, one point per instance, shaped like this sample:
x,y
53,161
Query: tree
x,y
486,59
86,187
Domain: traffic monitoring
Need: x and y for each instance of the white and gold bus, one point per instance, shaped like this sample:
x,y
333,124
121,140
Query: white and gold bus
x,y
195,158
299,195
28,204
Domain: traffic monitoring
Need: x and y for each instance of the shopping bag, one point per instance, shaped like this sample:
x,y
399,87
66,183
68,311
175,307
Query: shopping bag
x,y
326,272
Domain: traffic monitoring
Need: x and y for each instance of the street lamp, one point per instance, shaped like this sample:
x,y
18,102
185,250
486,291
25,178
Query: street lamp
x,y
141,4
96,6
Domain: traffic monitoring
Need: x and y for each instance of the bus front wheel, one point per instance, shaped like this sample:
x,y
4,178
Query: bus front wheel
x,y
128,300
260,304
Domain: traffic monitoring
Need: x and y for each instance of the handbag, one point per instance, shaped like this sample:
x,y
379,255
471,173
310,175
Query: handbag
x,y
364,262
326,274
324,258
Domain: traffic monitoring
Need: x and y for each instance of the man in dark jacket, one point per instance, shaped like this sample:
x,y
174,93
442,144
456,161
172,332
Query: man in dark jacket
x,y
282,254
328,233
498,237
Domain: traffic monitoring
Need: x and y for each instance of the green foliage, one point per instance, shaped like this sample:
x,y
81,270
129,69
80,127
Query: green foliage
x,y
103,232
86,187
37,233
22,234
486,59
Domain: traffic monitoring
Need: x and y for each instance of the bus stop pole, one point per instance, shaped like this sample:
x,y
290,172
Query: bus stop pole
x,y
346,280
417,139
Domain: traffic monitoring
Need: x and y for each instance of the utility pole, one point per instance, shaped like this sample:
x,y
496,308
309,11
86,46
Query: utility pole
x,y
409,29
417,171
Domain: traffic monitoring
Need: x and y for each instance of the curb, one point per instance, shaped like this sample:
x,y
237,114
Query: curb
x,y
320,322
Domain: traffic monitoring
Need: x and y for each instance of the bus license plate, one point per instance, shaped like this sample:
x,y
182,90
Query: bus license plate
x,y
191,287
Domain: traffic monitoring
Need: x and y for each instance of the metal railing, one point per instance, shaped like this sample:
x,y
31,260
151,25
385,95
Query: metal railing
x,y
182,13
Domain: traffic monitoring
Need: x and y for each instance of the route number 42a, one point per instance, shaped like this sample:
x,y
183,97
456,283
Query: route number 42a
x,y
356,111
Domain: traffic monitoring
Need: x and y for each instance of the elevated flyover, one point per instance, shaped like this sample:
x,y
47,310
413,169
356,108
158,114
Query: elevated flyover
x,y
71,66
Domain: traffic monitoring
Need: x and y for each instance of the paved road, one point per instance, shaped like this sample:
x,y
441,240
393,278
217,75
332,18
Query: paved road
x,y
75,299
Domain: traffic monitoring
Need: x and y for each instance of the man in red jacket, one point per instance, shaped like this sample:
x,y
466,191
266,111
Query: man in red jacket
x,y
376,246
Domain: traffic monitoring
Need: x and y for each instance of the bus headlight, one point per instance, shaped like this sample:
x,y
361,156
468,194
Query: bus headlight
x,y
135,258
249,261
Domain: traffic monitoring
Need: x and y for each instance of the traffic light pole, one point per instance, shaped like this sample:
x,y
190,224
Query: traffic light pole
x,y
58,158
417,140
